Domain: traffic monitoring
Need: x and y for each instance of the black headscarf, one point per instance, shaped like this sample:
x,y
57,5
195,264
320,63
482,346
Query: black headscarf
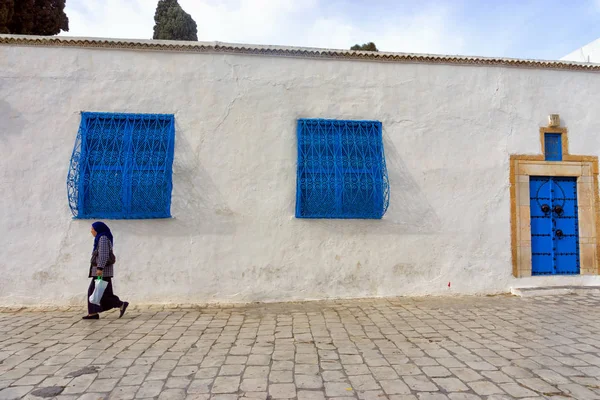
x,y
101,230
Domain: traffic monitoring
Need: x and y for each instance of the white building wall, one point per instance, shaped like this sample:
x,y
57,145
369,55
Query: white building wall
x,y
448,133
590,53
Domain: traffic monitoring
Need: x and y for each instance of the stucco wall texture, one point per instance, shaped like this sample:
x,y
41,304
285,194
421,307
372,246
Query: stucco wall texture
x,y
448,131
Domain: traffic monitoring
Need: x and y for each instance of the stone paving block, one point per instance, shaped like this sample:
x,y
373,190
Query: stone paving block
x,y
451,384
450,362
281,377
308,382
394,386
123,393
256,372
436,371
232,369
5,383
420,383
28,380
384,373
16,373
351,359
226,384
537,385
407,369
310,395
465,396
282,390
306,369
254,385
516,390
334,376
79,384
363,382
357,369
424,361
93,396
282,366
150,389
497,376
578,391
172,394
338,389
178,383
108,373
13,393
432,396
103,385
199,386
224,397
485,388
259,359
480,366
371,395
466,374
157,375
255,395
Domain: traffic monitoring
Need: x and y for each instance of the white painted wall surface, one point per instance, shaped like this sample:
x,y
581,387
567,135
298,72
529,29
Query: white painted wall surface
x,y
448,133
590,53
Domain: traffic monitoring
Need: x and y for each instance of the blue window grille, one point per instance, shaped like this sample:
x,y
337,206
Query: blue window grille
x,y
341,170
121,166
553,146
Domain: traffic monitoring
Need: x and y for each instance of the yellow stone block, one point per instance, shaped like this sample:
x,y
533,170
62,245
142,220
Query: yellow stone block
x,y
587,226
549,169
524,223
587,257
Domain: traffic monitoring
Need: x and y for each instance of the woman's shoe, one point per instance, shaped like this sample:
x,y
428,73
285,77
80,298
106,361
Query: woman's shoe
x,y
95,316
123,308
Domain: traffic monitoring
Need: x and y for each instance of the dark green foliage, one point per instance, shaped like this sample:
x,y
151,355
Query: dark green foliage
x,y
33,17
365,47
7,9
173,23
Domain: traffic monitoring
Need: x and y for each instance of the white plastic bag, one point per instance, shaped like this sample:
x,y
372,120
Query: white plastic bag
x,y
98,291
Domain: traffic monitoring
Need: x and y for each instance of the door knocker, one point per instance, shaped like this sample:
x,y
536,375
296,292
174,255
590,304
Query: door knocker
x,y
558,210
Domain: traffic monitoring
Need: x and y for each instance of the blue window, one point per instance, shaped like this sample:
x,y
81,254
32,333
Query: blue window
x,y
553,146
121,166
341,170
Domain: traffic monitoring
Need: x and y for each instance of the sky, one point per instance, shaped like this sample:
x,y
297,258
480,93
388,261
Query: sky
x,y
538,29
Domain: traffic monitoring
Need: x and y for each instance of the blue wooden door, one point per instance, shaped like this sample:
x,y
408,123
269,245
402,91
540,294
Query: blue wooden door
x,y
554,226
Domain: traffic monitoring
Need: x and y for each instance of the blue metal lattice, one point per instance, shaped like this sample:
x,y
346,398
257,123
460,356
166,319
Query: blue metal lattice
x,y
554,226
121,166
341,170
553,146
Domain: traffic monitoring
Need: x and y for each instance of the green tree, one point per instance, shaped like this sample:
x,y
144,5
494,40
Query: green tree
x,y
365,47
7,9
173,23
33,17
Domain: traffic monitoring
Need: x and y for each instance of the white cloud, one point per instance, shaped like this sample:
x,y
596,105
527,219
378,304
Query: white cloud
x,y
425,32
283,22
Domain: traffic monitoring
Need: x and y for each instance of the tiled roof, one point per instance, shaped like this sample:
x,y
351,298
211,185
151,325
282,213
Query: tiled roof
x,y
283,51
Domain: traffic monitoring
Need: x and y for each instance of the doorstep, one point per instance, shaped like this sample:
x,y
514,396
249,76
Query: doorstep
x,y
553,290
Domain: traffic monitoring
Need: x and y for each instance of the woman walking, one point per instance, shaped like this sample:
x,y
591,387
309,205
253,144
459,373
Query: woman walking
x,y
102,262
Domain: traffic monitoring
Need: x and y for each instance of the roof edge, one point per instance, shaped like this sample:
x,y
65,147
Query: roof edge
x,y
285,51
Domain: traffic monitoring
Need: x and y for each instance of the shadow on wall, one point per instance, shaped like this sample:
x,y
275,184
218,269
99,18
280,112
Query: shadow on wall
x,y
198,208
12,121
409,211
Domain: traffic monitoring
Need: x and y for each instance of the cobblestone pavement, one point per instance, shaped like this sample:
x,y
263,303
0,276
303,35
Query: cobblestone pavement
x,y
409,348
